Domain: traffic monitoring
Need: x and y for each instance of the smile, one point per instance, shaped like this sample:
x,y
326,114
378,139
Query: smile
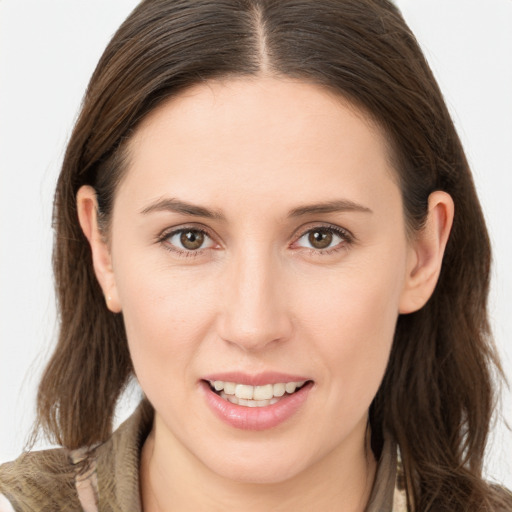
x,y
257,402
254,396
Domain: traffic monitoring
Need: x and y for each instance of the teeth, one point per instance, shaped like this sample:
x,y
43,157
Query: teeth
x,y
244,391
290,387
254,396
263,392
248,403
229,388
231,398
279,389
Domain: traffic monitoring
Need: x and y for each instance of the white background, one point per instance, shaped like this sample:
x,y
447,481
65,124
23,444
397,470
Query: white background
x,y
48,50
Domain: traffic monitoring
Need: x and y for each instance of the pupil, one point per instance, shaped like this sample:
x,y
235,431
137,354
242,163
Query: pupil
x,y
320,239
192,239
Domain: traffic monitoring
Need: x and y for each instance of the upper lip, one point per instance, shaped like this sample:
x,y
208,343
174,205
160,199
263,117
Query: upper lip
x,y
257,379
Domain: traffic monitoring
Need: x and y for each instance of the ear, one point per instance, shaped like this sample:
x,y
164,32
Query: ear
x,y
87,207
426,253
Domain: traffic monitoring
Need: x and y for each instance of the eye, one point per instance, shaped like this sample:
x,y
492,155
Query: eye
x,y
188,240
324,238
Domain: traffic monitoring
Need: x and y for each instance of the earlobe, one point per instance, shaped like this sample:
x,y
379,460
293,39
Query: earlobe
x,y
426,253
87,208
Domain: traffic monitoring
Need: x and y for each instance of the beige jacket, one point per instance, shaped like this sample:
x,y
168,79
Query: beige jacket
x,y
108,479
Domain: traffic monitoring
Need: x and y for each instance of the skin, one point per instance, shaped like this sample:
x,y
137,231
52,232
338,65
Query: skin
x,y
257,296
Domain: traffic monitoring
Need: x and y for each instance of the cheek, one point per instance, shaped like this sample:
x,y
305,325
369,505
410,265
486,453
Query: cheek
x,y
166,315
353,322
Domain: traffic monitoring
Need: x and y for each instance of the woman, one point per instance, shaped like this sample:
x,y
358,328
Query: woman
x,y
265,214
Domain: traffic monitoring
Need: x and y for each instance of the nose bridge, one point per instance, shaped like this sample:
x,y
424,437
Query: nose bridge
x,y
254,312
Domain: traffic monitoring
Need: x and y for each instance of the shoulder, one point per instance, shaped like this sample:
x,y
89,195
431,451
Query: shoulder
x,y
58,479
39,481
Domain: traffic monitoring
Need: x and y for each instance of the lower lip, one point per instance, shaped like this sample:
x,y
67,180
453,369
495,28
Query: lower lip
x,y
256,418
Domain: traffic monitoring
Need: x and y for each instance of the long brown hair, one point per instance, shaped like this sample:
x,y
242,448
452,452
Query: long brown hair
x,y
437,397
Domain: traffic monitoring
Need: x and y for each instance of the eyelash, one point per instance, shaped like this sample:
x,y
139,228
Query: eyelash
x,y
163,239
347,240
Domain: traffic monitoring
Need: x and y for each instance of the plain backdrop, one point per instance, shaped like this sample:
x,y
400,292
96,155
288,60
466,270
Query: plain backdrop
x,y
48,51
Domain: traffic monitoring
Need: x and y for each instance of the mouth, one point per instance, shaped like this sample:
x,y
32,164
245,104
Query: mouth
x,y
246,395
255,402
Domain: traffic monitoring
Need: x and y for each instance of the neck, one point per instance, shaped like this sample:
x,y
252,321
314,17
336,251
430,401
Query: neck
x,y
173,479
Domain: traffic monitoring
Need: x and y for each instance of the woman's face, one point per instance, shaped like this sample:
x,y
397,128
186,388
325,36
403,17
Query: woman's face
x,y
258,239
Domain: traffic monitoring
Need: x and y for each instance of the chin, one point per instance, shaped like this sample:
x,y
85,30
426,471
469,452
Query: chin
x,y
257,465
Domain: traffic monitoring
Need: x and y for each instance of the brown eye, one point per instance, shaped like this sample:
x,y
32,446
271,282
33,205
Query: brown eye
x,y
325,239
192,239
320,238
188,240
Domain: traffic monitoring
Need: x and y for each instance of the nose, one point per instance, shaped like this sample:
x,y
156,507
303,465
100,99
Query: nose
x,y
254,310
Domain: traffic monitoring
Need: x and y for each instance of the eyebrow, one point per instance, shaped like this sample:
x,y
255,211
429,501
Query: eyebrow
x,y
177,206
341,205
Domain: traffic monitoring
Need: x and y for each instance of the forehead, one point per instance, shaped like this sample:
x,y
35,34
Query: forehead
x,y
267,137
